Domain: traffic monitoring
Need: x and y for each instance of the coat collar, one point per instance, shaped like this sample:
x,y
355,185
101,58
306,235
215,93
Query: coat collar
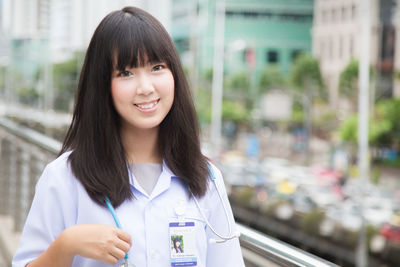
x,y
163,182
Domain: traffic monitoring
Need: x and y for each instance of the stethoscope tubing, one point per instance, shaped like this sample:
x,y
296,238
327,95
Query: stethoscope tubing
x,y
222,237
114,215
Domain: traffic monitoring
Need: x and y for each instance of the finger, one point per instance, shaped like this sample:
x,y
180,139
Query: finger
x,y
118,253
123,235
110,259
122,245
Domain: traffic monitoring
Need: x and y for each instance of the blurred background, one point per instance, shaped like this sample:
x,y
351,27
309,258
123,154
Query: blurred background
x,y
276,86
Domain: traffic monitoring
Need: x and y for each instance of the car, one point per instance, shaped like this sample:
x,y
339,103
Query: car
x,y
391,232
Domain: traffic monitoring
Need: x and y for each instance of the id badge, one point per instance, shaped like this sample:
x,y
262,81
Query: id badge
x,y
126,264
182,243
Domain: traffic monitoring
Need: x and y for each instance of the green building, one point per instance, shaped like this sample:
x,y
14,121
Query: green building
x,y
257,33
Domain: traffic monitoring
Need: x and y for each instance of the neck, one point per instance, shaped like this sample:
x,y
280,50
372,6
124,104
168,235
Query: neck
x,y
141,146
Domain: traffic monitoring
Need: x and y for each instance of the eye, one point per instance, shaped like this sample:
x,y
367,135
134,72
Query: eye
x,y
125,73
158,67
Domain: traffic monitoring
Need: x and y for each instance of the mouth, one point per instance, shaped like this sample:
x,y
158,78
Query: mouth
x,y
147,105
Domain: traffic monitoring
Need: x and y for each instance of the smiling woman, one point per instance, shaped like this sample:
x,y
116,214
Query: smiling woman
x,y
130,174
143,95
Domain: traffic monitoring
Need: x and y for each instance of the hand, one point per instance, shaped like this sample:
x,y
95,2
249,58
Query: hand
x,y
100,242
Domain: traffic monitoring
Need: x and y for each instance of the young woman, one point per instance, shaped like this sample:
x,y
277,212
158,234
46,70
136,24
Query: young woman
x,y
177,248
130,174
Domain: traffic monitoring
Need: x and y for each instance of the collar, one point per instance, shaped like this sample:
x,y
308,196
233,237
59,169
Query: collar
x,y
163,182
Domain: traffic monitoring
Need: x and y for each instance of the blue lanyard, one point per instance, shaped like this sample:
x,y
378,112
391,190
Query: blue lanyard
x,y
112,210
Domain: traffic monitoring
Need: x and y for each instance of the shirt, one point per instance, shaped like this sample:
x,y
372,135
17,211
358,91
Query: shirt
x,y
61,201
146,174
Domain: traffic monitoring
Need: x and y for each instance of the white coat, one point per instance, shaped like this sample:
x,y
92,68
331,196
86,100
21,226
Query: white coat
x,y
61,201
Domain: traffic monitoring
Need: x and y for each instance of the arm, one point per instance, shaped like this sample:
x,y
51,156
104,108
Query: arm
x,y
51,237
100,242
228,253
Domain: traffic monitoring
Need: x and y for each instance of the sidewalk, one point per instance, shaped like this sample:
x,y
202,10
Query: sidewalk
x,y
8,239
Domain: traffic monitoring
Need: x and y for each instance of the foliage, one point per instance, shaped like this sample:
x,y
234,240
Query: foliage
x,y
306,76
239,82
237,88
384,127
325,123
27,95
297,117
242,195
389,110
65,75
208,75
348,79
348,130
203,105
234,111
311,221
271,78
377,128
231,110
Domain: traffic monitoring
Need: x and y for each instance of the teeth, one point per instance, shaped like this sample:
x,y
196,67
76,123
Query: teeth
x,y
145,106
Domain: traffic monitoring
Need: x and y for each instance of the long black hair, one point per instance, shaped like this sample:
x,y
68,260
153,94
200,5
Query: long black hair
x,y
126,38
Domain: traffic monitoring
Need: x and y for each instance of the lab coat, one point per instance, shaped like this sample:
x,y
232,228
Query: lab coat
x,y
61,201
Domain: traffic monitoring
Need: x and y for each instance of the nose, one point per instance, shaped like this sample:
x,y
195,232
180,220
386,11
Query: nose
x,y
145,84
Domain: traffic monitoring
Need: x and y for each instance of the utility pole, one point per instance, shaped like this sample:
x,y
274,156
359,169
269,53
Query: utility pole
x,y
363,117
218,72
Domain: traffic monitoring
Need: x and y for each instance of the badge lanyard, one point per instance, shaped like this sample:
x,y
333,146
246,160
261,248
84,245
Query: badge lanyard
x,y
118,224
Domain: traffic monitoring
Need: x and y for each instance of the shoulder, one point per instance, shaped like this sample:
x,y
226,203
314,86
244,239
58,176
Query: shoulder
x,y
215,179
57,174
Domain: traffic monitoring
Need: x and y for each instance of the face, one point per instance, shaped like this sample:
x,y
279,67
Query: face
x,y
143,96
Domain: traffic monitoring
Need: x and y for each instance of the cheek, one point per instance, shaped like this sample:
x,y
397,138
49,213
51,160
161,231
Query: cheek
x,y
169,86
119,92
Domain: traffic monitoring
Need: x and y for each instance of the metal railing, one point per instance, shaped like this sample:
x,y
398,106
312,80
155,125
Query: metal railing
x,y
277,251
25,152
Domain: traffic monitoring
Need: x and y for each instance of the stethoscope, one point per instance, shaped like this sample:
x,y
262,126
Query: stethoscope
x,y
222,237
211,240
118,224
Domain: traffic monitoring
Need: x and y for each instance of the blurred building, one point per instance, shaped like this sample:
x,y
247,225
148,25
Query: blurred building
x,y
34,34
65,25
336,37
257,33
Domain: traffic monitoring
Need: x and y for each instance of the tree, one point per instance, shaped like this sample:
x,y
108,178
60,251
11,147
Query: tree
x,y
389,110
384,126
66,81
348,82
306,76
237,88
271,78
377,128
307,80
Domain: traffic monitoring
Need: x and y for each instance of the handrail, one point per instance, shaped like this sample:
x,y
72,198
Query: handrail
x,y
277,251
268,248
31,136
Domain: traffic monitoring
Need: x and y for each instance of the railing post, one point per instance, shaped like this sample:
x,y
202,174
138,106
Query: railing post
x,y
4,175
16,208
23,189
12,174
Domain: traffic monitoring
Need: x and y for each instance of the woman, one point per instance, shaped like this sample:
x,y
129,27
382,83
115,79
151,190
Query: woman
x,y
177,245
133,146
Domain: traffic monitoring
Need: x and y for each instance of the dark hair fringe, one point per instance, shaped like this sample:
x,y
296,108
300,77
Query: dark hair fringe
x,y
129,37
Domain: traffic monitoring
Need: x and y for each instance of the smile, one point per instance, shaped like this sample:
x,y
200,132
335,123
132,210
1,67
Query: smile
x,y
147,105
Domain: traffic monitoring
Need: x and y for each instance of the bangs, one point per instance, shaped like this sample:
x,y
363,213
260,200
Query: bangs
x,y
136,46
